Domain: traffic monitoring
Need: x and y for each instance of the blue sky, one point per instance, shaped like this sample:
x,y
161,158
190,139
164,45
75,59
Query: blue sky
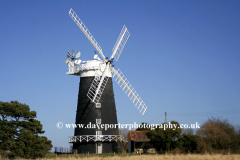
x,y
182,57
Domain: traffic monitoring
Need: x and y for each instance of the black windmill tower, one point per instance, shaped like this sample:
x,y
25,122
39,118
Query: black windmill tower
x,y
96,105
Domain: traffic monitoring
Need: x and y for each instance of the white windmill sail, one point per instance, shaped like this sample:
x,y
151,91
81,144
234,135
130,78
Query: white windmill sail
x,y
119,45
98,85
81,25
129,90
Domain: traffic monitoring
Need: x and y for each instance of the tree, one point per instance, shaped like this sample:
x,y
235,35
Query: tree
x,y
123,143
19,132
165,139
216,134
187,143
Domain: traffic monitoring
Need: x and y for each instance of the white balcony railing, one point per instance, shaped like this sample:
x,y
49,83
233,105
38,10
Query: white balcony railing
x,y
94,138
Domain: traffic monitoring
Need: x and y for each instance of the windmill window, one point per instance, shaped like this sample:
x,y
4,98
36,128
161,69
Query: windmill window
x,y
98,105
98,121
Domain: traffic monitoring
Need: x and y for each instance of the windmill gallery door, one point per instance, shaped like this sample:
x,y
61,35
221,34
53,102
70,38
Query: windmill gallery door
x,y
99,148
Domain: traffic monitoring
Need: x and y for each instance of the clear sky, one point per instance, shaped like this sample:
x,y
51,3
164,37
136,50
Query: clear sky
x,y
182,57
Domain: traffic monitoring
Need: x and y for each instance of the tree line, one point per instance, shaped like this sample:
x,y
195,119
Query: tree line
x,y
214,135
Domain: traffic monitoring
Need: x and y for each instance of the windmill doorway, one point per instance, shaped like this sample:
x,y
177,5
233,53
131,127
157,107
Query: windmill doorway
x,y
99,148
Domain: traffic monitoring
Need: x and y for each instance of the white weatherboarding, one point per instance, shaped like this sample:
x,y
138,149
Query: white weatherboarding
x,y
102,74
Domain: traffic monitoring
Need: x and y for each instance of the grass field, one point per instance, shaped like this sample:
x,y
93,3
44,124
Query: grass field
x,y
147,157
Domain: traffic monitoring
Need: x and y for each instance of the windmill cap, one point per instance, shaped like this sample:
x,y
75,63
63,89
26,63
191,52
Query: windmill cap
x,y
95,57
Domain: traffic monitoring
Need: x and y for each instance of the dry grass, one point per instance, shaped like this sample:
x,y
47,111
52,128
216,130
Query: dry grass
x,y
156,157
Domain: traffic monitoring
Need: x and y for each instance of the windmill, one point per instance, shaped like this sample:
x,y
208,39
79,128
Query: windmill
x,y
96,104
